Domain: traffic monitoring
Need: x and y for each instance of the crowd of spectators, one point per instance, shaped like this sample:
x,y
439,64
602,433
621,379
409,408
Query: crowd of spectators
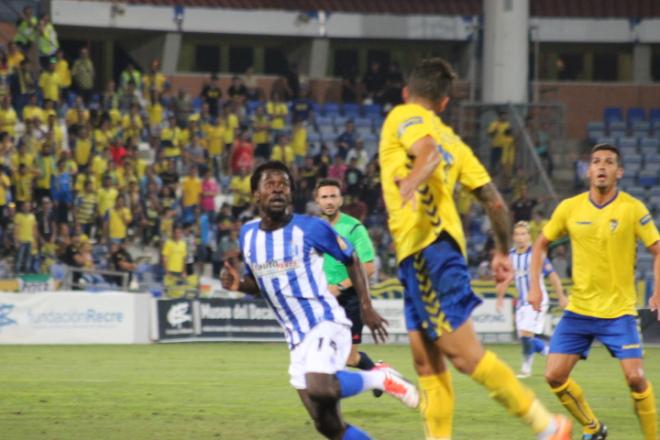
x,y
89,174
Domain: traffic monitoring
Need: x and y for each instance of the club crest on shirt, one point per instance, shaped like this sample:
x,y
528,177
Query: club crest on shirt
x,y
613,224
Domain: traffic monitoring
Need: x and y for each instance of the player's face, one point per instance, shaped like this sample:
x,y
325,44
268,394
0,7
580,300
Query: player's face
x,y
274,194
329,200
604,169
521,238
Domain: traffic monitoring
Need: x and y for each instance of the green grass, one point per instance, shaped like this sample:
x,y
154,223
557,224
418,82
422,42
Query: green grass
x,y
241,391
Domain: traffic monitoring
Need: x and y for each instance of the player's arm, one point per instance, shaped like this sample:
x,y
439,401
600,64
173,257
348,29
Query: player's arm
x,y
539,251
359,238
555,282
654,301
500,289
232,281
498,213
371,318
426,159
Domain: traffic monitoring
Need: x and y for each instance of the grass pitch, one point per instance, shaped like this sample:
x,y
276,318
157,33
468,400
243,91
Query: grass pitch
x,y
240,391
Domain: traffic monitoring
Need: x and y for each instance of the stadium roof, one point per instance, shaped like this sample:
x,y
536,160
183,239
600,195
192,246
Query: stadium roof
x,y
539,8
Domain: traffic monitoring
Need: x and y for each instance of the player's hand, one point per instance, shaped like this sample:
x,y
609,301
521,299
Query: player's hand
x,y
499,304
654,303
563,301
375,322
334,289
502,269
407,190
229,277
534,297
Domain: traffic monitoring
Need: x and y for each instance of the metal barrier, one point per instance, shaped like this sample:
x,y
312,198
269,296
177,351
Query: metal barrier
x,y
475,117
69,284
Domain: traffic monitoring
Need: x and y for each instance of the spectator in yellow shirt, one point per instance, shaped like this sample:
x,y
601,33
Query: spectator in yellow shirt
x,y
23,184
8,117
174,253
282,151
277,110
107,196
240,188
117,221
261,133
62,69
32,110
191,191
82,148
215,138
25,237
299,142
49,83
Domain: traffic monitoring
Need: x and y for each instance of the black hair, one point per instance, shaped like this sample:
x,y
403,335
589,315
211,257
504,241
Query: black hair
x,y
608,147
272,165
327,182
431,78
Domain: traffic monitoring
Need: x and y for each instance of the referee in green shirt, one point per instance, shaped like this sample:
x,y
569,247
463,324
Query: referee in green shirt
x,y
328,196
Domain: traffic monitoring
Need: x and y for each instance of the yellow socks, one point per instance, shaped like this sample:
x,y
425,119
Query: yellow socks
x,y
571,396
437,405
503,386
644,404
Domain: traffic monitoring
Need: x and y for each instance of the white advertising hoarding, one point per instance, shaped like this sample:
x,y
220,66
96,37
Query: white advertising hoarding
x,y
74,318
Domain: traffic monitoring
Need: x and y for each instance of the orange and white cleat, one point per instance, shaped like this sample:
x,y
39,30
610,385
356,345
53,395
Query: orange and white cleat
x,y
564,428
395,385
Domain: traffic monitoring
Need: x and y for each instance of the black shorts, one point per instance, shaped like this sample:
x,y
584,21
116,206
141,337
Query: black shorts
x,y
349,300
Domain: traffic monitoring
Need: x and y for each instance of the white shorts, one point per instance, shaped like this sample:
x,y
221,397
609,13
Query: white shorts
x,y
325,349
529,320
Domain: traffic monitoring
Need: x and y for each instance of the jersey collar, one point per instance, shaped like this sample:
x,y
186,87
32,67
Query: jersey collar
x,y
606,203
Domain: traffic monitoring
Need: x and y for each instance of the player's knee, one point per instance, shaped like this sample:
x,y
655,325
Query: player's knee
x,y
636,381
555,379
321,390
353,359
466,364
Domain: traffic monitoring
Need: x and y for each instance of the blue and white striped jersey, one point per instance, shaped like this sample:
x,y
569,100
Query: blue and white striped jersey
x,y
288,266
521,267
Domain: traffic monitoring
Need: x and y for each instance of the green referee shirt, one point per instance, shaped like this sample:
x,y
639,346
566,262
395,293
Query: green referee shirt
x,y
352,230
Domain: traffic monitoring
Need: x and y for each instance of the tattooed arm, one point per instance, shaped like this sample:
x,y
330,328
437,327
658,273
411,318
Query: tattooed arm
x,y
497,211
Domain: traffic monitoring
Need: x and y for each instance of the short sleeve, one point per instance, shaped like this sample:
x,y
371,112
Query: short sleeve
x,y
414,128
556,227
326,240
473,174
645,228
167,249
547,268
359,237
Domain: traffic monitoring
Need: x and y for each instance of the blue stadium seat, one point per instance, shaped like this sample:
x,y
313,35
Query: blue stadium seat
x,y
364,132
595,130
313,137
372,109
323,120
655,191
627,142
641,129
648,178
635,114
628,151
637,192
363,122
649,143
616,125
631,168
197,104
613,114
252,105
654,201
352,110
330,109
340,122
327,132
627,181
606,140
654,115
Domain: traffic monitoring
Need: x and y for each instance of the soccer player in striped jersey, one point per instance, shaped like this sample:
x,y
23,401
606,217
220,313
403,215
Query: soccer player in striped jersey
x,y
604,225
327,195
283,255
529,322
422,160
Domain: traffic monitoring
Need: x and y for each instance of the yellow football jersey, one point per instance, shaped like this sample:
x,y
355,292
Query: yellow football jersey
x,y
435,210
603,241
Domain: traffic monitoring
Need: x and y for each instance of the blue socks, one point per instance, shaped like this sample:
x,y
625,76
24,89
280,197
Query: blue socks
x,y
353,433
355,382
527,346
539,345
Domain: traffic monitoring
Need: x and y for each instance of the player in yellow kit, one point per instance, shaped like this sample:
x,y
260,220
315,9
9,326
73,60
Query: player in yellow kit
x,y
604,225
422,160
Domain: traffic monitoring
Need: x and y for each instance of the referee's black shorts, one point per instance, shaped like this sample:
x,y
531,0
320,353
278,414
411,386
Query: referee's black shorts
x,y
349,300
